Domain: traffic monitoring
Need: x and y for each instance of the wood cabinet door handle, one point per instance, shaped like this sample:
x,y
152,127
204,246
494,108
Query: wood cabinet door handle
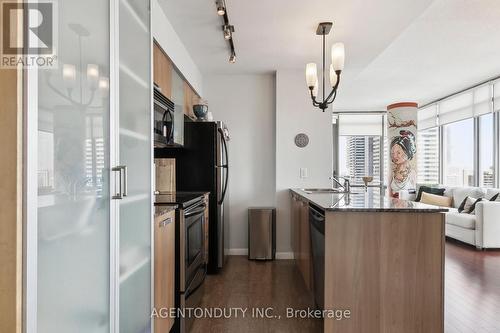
x,y
165,222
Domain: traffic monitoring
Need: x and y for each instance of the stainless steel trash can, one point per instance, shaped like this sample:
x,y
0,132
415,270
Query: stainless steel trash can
x,y
261,233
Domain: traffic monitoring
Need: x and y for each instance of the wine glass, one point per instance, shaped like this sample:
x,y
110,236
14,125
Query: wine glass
x,y
367,180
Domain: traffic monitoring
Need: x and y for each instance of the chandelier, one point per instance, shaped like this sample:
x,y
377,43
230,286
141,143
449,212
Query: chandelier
x,y
336,67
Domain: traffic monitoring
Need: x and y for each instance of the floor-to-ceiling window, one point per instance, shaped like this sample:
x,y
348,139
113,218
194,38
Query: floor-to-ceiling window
x,y
428,156
486,151
458,153
457,139
360,156
361,148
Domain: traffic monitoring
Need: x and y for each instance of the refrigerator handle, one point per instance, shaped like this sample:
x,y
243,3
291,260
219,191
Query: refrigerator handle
x,y
225,166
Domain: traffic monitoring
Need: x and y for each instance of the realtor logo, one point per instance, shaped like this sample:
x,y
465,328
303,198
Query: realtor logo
x,y
29,34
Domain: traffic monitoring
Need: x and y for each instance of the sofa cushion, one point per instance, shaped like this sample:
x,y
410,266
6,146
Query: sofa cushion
x,y
436,200
460,193
431,190
465,221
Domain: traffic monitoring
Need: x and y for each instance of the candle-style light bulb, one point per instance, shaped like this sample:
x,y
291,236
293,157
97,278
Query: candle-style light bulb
x,y
338,56
311,74
104,85
69,75
333,76
93,75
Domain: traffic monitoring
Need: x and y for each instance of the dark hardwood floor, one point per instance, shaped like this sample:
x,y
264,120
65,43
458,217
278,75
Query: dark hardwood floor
x,y
472,289
472,294
252,284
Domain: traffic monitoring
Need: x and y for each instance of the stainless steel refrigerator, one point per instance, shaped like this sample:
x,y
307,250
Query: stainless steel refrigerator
x,y
202,164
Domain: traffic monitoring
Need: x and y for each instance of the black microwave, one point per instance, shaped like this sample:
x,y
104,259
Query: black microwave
x,y
168,122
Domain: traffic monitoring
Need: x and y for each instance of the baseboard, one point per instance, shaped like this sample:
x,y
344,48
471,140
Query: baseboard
x,y
238,252
284,255
244,252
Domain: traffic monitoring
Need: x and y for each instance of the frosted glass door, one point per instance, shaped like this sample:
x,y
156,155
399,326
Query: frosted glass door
x,y
135,152
72,225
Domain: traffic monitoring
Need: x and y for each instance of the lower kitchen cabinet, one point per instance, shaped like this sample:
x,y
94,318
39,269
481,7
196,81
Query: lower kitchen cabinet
x,y
164,269
301,239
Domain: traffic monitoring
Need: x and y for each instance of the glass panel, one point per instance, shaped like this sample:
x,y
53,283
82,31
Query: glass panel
x,y
135,153
459,153
360,156
428,156
486,164
73,175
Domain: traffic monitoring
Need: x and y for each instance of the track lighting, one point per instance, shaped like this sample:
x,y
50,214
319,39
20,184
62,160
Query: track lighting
x,y
227,28
221,8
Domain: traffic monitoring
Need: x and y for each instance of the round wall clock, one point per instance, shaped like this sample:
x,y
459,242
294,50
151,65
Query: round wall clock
x,y
301,140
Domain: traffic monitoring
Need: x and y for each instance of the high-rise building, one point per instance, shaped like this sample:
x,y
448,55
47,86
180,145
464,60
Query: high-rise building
x,y
363,157
428,156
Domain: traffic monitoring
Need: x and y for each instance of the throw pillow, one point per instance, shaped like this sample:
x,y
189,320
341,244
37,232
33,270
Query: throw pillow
x,y
495,197
470,205
431,190
462,205
436,200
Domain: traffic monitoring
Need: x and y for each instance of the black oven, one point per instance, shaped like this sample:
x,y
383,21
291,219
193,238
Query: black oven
x,y
194,226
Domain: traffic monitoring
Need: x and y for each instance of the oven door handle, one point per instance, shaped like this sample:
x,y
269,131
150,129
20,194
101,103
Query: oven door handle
x,y
196,211
190,291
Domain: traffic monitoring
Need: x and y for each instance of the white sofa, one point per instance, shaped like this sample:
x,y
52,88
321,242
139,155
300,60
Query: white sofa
x,y
481,229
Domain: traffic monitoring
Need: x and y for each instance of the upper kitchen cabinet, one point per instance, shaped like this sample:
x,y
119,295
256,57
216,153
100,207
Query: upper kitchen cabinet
x,y
172,83
162,71
190,99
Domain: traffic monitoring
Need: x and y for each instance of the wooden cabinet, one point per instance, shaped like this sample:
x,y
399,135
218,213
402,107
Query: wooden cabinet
x,y
172,83
162,71
164,268
301,239
190,99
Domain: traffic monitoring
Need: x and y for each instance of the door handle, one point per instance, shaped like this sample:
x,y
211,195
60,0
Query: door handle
x,y
122,182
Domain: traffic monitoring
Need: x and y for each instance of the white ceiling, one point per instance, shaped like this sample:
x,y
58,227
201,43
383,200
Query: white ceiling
x,y
396,50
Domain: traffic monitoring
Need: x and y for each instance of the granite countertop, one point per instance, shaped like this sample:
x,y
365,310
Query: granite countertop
x,y
361,201
180,199
160,210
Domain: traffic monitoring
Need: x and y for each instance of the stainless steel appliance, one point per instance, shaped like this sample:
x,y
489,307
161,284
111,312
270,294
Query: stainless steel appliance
x,y
191,257
168,121
262,233
317,222
203,165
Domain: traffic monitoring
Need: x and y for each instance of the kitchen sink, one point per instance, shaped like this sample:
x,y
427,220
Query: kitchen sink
x,y
326,190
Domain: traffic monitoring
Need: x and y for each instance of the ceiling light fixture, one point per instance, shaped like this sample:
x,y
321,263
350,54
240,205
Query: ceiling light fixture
x,y
227,28
336,67
221,7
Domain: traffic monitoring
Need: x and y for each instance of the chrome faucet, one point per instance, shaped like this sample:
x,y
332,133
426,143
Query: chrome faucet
x,y
346,186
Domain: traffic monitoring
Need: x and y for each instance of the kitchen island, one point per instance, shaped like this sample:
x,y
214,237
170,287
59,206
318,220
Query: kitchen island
x,y
383,260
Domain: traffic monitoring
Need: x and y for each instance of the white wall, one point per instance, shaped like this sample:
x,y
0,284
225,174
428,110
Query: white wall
x,y
246,103
264,113
170,42
295,114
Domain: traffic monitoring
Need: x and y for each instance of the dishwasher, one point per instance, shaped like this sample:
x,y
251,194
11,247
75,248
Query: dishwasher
x,y
317,222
